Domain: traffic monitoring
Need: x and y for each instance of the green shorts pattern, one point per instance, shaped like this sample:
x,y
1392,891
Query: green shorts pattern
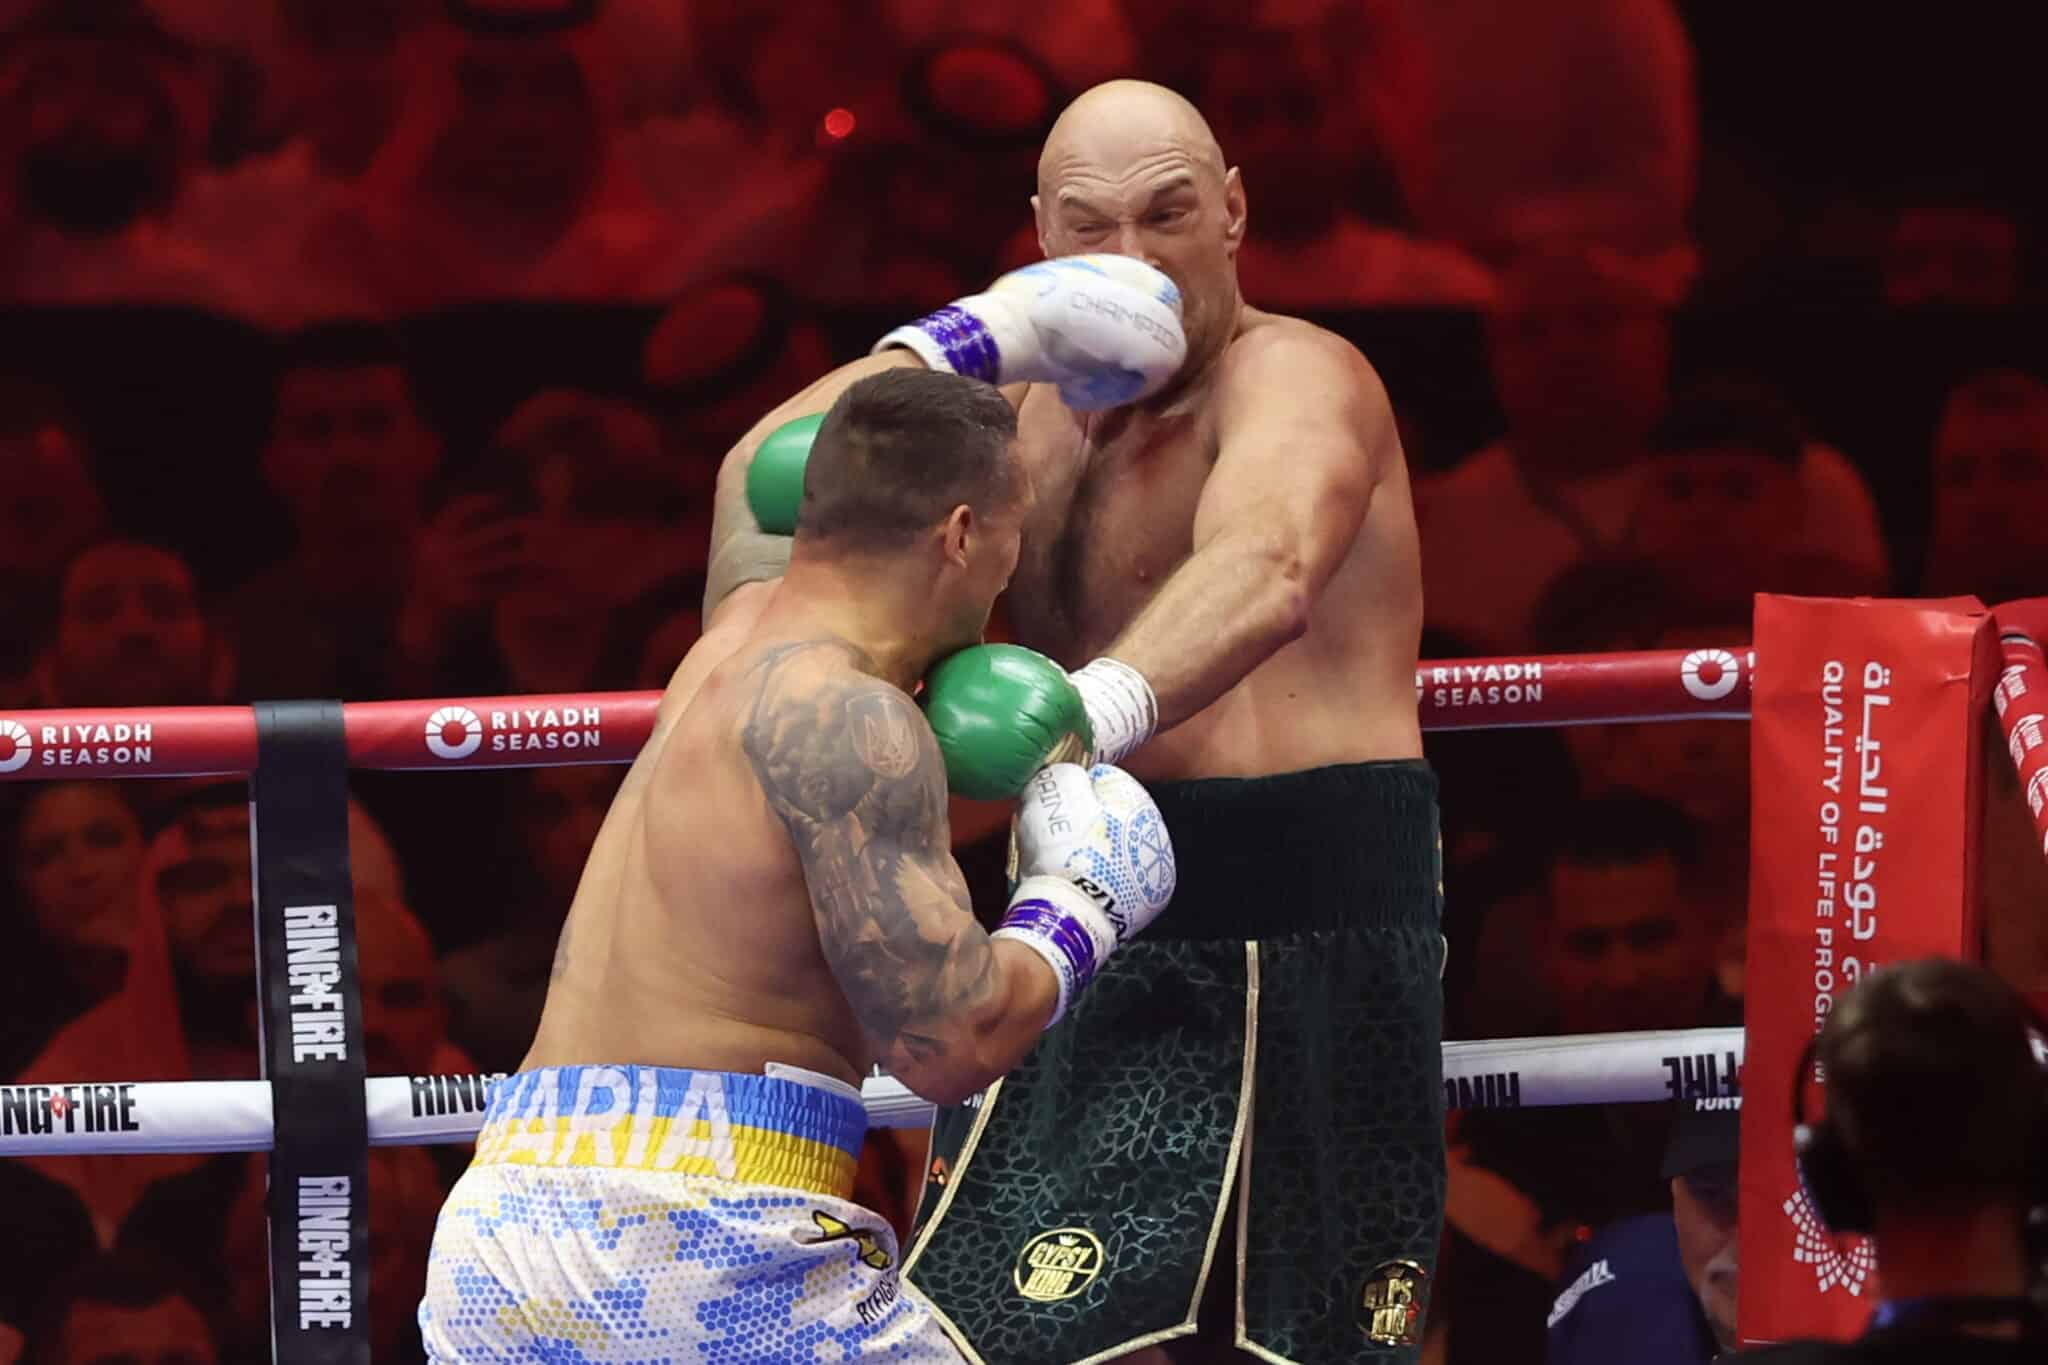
x,y
1275,1039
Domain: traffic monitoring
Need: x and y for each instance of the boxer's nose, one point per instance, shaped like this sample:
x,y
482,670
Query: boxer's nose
x,y
1131,240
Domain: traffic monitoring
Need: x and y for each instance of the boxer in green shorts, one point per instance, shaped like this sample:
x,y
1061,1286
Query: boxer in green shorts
x,y
1233,1143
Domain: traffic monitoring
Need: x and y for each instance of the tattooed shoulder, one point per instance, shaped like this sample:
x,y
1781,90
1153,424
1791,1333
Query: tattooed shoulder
x,y
825,738
855,775
886,730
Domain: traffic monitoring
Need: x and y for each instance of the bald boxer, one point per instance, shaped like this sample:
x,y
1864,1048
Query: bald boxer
x,y
1225,554
770,909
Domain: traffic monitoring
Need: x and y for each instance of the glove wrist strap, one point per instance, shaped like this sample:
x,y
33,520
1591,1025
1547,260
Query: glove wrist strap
x,y
1122,710
950,339
1050,916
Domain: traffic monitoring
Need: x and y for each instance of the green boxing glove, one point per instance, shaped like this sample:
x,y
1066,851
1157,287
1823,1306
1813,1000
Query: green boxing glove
x,y
775,478
1002,712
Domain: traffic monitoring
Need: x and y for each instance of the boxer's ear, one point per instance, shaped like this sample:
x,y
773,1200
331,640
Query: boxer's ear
x,y
1233,209
960,527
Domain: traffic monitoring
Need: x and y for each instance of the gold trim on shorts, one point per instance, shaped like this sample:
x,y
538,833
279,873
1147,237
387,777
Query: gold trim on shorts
x,y
924,1236
1232,1185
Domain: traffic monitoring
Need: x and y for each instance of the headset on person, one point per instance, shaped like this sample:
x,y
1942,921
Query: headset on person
x,y
1827,1168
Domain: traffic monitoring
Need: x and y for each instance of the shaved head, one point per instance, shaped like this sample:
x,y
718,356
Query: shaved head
x,y
1117,122
1131,168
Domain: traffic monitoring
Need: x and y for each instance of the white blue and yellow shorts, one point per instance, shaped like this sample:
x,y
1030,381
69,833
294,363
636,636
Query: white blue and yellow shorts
x,y
646,1214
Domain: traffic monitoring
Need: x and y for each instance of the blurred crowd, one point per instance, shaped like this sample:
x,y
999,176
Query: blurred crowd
x,y
387,349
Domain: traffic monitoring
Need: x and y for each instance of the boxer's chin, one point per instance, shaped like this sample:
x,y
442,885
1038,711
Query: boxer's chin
x,y
964,630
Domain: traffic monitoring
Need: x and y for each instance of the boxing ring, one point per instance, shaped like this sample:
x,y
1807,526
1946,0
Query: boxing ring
x,y
317,1112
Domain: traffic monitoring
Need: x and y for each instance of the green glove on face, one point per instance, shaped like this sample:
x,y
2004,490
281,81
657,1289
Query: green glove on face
x,y
775,478
1002,712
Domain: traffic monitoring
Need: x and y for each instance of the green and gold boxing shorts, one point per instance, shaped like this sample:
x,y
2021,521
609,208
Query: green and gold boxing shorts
x,y
1271,1046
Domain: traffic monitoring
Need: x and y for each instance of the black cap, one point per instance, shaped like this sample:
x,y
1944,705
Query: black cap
x,y
1704,1132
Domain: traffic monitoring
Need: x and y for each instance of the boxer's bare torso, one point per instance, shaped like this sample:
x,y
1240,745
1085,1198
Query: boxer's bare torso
x,y
1118,494
775,883
692,941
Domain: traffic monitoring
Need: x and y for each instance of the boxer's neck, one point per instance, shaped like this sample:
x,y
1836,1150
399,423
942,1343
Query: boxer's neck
x,y
1190,387
857,601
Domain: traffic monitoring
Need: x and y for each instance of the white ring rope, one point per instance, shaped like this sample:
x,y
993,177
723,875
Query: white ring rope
x,y
138,1117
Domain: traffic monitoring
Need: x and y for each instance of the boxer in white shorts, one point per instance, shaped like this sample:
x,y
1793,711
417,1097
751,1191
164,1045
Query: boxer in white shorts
x,y
646,1213
770,910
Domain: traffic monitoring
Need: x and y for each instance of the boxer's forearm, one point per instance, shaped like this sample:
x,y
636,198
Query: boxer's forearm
x,y
741,552
994,1000
1224,612
999,1030
849,765
738,558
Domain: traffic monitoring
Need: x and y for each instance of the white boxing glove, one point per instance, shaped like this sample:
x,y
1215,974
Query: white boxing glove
x,y
1104,329
1094,865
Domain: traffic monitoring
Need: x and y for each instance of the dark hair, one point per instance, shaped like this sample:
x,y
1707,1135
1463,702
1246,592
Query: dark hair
x,y
1621,828
343,346
120,1279
340,346
1730,411
2005,390
1949,189
1623,602
1932,1079
115,541
1601,604
899,451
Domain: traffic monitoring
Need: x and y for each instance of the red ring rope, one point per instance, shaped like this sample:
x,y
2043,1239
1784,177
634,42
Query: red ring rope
x,y
610,727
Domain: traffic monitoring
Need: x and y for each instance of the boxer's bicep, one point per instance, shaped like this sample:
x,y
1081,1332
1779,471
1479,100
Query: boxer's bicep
x,y
1305,430
852,769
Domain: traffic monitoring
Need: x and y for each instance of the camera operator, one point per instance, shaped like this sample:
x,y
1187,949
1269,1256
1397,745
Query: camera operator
x,y
1932,1142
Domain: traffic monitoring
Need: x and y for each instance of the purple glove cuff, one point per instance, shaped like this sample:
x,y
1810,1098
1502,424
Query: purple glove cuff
x,y
1049,924
965,341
